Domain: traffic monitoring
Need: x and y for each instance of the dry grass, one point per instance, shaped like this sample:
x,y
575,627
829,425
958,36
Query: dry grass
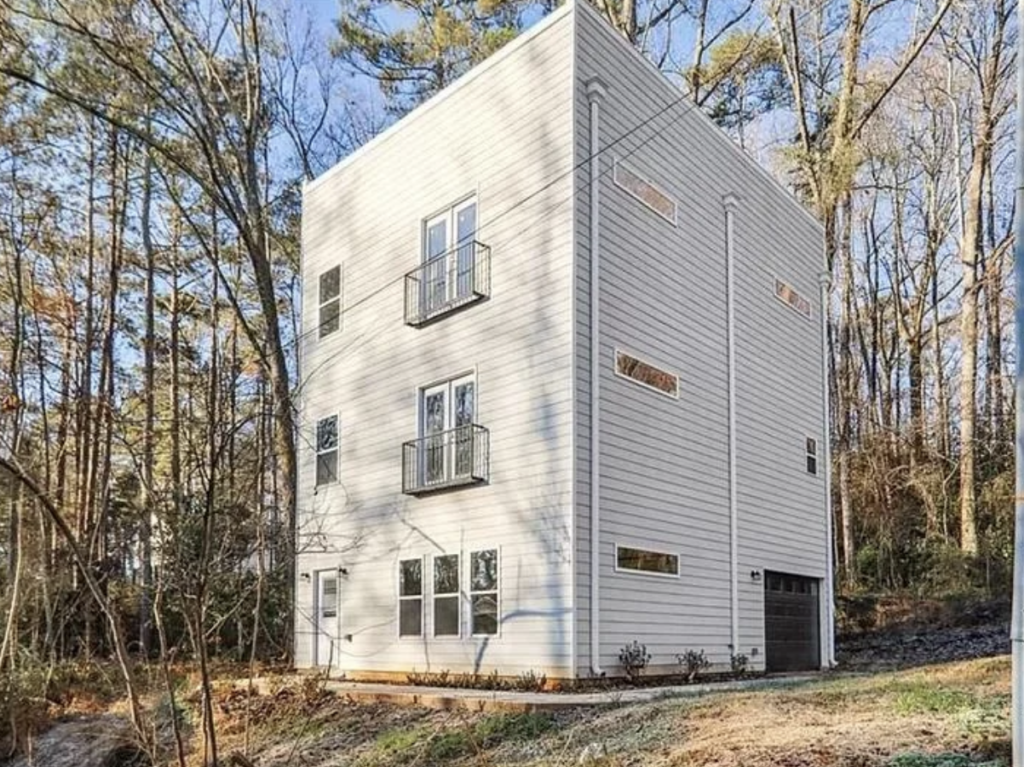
x,y
957,708
892,719
862,721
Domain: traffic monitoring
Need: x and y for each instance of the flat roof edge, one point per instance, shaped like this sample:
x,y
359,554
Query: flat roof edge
x,y
441,96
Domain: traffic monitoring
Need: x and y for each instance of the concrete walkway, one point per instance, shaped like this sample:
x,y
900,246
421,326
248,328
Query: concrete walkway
x,y
501,700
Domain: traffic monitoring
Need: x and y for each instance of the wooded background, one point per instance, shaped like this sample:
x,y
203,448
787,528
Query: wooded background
x,y
152,154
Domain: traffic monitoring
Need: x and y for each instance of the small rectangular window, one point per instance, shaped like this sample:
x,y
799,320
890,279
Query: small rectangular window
x,y
410,597
646,374
812,456
789,296
645,561
446,595
330,301
327,450
483,591
329,597
645,191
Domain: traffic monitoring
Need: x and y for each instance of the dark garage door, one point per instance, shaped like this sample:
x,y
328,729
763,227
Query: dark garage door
x,y
791,625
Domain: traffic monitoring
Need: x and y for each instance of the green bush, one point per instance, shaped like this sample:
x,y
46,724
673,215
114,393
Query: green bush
x,y
502,727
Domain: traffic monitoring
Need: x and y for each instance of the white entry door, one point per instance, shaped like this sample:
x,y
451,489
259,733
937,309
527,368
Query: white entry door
x,y
327,618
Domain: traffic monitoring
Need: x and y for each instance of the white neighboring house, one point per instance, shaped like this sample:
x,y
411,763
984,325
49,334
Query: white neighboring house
x,y
555,317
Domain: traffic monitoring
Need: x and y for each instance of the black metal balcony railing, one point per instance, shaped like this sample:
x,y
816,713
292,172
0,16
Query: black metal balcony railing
x,y
448,282
459,456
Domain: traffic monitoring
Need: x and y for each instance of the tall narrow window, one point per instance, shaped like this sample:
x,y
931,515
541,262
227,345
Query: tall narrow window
x,y
812,456
410,597
446,595
447,424
330,301
483,591
449,256
327,450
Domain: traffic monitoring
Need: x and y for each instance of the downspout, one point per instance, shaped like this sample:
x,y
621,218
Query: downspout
x,y
595,95
830,629
731,202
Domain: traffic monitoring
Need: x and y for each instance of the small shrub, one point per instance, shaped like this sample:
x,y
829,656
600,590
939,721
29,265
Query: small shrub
x,y
920,699
429,679
694,662
634,659
501,727
739,663
530,682
399,740
491,681
447,746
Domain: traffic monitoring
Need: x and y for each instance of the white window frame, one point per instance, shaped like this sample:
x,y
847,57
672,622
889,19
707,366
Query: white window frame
x,y
811,454
496,591
615,368
318,452
674,219
450,213
321,303
434,595
630,571
450,383
450,254
422,596
776,282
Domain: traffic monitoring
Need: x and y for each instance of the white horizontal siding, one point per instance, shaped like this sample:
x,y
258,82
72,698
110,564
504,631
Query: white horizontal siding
x,y
664,479
500,136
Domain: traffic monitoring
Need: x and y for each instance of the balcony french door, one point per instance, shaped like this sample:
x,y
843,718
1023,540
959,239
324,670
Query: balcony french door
x,y
447,430
448,256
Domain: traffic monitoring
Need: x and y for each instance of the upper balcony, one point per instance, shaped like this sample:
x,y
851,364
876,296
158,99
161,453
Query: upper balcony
x,y
451,281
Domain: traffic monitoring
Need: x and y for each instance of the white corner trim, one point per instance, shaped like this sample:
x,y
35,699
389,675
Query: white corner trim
x,y
731,203
596,93
825,279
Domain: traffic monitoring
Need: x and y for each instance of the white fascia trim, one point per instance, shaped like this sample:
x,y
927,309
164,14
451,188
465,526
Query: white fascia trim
x,y
674,92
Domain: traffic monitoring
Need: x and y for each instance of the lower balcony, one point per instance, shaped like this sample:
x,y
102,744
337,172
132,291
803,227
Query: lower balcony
x,y
459,456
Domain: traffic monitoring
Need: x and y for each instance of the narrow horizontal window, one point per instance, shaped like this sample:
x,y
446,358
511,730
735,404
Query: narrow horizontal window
x,y
410,597
329,319
645,561
327,450
645,191
812,456
446,596
483,592
646,374
793,299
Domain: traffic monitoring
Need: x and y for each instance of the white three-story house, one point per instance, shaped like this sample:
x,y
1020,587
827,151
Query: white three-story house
x,y
562,383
